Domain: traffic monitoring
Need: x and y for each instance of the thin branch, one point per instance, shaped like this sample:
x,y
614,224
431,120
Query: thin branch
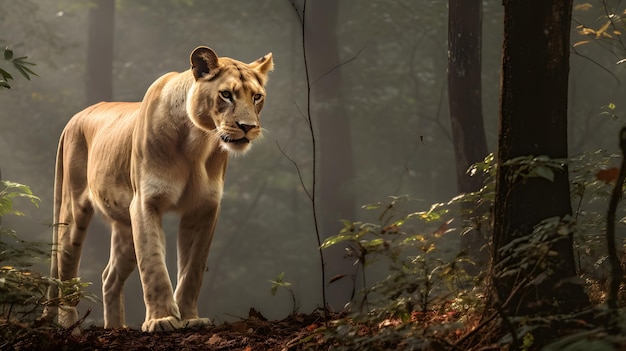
x,y
610,18
575,52
295,164
300,17
311,194
339,66
437,118
472,332
301,113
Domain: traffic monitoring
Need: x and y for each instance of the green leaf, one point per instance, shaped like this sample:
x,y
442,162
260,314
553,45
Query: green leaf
x,y
333,240
373,206
545,172
5,75
30,71
373,244
279,282
21,70
8,54
8,193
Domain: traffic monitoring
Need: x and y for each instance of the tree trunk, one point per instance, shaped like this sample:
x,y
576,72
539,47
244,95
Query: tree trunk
x,y
333,138
466,115
99,87
533,121
99,75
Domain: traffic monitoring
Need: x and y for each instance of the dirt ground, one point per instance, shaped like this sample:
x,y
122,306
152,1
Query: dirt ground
x,y
296,332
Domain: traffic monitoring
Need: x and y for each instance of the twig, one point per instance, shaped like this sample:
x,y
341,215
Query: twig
x,y
338,66
469,334
596,63
295,164
312,191
71,328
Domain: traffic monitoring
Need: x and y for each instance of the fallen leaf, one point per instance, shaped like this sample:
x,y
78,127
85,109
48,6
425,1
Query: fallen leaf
x,y
312,327
608,175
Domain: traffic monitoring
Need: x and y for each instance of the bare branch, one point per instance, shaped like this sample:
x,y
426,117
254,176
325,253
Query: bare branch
x,y
304,117
338,66
311,193
575,52
295,164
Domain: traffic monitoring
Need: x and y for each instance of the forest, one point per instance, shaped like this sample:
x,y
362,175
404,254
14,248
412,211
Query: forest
x,y
433,174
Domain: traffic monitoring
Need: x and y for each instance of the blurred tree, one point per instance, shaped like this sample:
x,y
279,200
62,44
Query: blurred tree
x,y
99,77
533,121
333,136
466,115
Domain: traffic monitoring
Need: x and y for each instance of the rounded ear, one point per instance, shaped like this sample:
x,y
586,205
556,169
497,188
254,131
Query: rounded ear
x,y
203,61
263,65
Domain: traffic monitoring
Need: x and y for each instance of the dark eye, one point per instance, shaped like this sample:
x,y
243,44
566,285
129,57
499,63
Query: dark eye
x,y
257,97
226,94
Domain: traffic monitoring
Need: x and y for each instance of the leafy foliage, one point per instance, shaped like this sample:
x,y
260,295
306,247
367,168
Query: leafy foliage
x,y
11,190
424,281
533,167
592,177
19,63
609,28
23,291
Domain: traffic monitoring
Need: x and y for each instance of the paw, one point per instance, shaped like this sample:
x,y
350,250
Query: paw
x,y
196,322
67,317
162,324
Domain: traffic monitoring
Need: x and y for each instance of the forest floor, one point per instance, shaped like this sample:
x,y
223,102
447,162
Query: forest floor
x,y
296,332
255,333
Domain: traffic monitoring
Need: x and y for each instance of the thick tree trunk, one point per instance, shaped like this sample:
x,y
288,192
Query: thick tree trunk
x,y
466,115
533,121
99,75
333,138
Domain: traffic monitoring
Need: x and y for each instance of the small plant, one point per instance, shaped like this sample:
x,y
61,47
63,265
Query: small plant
x,y
23,291
279,282
9,191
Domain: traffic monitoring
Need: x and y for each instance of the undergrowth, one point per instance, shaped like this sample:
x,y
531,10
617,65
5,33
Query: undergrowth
x,y
427,301
22,290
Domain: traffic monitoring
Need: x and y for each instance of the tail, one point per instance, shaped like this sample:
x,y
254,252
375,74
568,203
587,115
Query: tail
x,y
53,291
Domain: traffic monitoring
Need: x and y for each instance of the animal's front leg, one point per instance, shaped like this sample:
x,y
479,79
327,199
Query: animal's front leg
x,y
162,313
194,239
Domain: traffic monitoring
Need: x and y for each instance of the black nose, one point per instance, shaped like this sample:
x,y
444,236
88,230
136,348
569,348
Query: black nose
x,y
245,127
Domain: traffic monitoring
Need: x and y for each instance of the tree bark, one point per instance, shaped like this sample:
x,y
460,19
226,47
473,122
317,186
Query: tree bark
x,y
99,87
466,115
99,75
336,165
533,121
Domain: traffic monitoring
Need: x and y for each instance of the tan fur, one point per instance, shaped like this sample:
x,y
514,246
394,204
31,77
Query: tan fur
x,y
135,161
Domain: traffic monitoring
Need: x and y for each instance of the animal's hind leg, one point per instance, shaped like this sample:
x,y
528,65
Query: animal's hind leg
x,y
121,264
75,216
